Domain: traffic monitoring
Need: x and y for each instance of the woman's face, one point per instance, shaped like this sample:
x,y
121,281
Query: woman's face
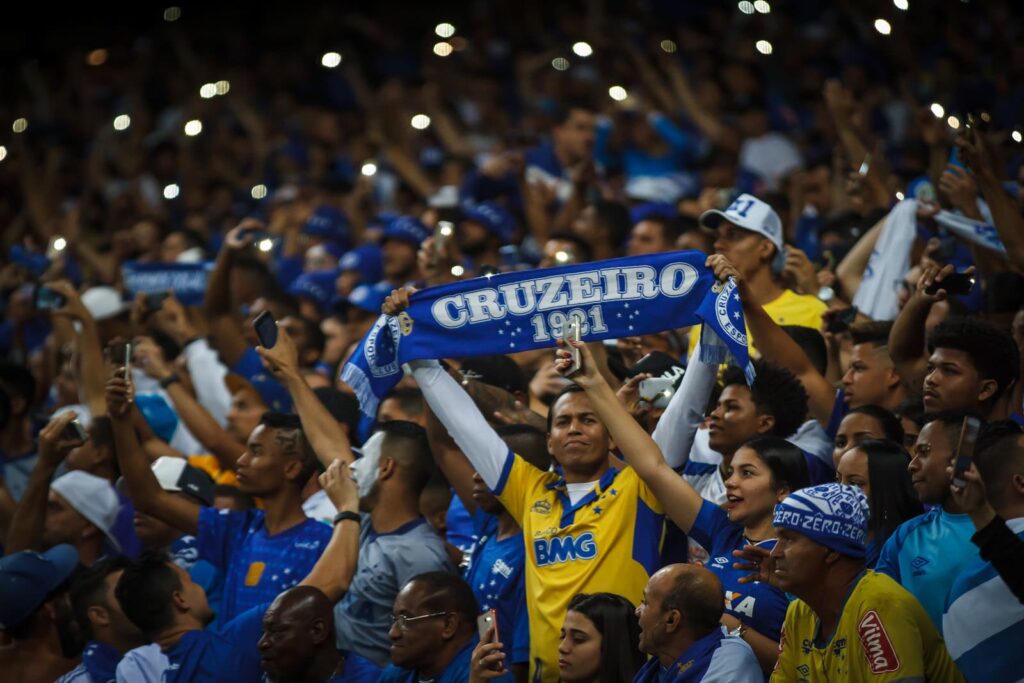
x,y
579,654
854,428
750,495
853,470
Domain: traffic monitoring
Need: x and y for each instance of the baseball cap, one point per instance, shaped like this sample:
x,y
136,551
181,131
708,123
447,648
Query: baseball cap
x,y
104,302
175,474
659,364
317,286
833,515
750,213
499,371
328,222
28,577
407,229
92,497
642,212
493,217
366,260
369,298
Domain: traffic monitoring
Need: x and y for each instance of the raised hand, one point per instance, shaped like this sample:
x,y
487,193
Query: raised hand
x,y
340,487
758,561
397,301
53,443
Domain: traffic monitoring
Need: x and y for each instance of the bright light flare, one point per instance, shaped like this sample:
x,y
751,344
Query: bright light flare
x,y
171,191
122,121
764,47
369,169
444,30
617,93
582,49
331,59
259,191
883,27
420,122
193,128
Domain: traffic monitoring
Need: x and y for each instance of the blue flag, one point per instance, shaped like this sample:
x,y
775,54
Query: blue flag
x,y
520,311
186,280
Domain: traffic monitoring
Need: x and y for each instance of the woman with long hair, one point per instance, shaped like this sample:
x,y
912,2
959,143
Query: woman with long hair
x,y
862,423
762,473
879,468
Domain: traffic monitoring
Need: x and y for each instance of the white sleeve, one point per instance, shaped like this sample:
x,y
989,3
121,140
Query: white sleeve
x,y
733,663
685,412
208,374
145,664
463,420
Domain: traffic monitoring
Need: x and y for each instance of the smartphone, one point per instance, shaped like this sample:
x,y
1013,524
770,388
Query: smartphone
x,y
865,166
841,321
484,622
965,450
266,329
954,157
955,284
123,356
47,299
657,391
75,432
154,301
571,331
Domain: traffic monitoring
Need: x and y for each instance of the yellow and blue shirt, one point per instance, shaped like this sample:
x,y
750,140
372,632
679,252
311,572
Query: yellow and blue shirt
x,y
608,541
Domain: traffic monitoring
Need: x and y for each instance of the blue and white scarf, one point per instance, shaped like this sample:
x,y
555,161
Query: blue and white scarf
x,y
525,310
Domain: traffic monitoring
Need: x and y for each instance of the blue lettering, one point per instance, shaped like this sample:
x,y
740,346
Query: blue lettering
x,y
564,548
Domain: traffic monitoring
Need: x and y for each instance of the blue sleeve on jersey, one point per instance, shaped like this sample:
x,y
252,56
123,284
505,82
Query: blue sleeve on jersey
x,y
506,469
839,411
244,633
680,141
220,533
710,523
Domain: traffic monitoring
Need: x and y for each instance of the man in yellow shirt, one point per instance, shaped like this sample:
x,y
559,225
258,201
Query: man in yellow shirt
x,y
749,235
848,623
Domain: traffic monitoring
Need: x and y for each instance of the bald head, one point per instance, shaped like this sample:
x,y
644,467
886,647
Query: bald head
x,y
298,634
695,591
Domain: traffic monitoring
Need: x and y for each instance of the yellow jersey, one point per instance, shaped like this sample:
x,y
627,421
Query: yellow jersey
x,y
788,309
609,541
883,634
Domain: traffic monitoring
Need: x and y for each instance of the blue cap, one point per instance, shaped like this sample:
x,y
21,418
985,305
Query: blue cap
x,y
272,392
642,212
493,217
366,259
833,515
28,577
370,298
408,229
327,222
381,220
317,286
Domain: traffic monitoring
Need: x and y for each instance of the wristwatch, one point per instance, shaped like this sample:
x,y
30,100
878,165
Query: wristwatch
x,y
826,294
738,631
347,515
169,380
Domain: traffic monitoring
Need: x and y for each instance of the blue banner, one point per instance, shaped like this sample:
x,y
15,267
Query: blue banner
x,y
186,280
520,311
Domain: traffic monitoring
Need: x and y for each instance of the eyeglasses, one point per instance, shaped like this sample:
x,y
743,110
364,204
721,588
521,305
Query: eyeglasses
x,y
403,621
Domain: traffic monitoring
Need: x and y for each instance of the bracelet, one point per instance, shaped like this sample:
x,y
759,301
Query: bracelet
x,y
169,380
347,515
738,631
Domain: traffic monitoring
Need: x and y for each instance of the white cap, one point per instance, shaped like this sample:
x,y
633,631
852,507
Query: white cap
x,y
104,302
750,213
92,497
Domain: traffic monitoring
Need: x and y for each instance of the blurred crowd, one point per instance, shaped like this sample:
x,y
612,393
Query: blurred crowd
x,y
186,495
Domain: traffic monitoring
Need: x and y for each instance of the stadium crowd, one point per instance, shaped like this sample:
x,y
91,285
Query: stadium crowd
x,y
213,217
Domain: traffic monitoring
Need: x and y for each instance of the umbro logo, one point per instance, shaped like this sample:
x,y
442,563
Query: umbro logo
x,y
918,564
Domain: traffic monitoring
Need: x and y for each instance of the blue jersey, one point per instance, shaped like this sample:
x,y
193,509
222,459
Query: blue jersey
x,y
925,555
257,566
460,528
839,411
715,657
758,605
99,665
497,576
984,623
228,656
457,670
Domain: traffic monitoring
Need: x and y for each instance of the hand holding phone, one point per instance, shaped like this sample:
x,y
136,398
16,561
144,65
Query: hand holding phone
x,y
75,432
841,320
965,450
571,332
487,627
48,299
657,391
266,329
955,284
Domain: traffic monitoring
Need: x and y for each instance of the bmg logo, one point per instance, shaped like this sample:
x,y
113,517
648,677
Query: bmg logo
x,y
559,549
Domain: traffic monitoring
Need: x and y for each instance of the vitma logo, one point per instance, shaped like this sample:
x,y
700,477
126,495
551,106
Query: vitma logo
x,y
564,549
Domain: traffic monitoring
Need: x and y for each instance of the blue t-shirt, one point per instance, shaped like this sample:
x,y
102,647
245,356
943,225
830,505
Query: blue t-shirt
x,y
229,656
715,657
457,670
357,670
983,624
496,575
926,554
839,410
758,605
257,566
459,526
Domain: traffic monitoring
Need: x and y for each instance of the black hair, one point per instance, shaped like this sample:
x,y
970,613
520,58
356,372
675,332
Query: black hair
x,y
342,406
614,218
409,398
407,445
89,589
293,442
567,389
912,409
447,592
777,392
992,351
871,332
561,112
890,424
498,371
614,617
579,245
528,442
893,499
315,338
17,382
812,343
999,456
145,591
785,461
952,422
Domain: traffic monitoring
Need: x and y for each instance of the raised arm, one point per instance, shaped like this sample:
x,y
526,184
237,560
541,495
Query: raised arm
x,y
682,502
145,492
26,529
325,434
681,419
850,270
1006,215
91,367
452,462
778,347
223,323
333,572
